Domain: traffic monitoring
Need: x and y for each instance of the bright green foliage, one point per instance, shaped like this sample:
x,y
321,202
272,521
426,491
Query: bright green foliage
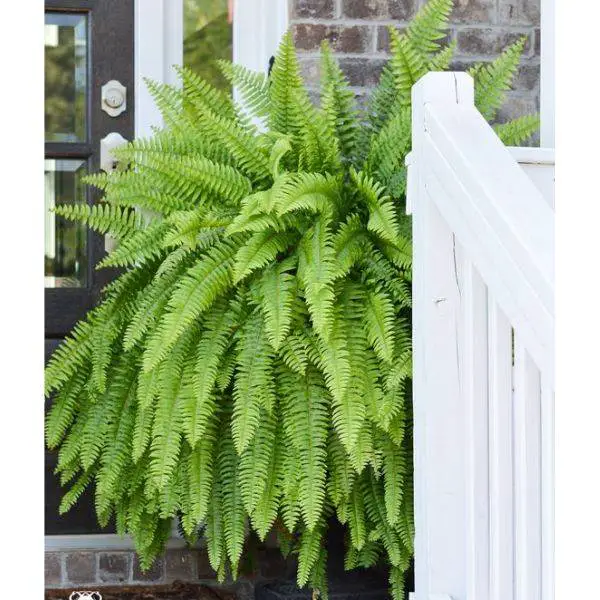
x,y
493,80
518,130
250,368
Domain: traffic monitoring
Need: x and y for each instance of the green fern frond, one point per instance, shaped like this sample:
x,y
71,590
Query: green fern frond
x,y
341,474
260,250
310,547
286,90
407,65
201,95
68,357
315,270
253,87
430,25
519,130
195,293
253,382
382,220
494,79
379,318
232,503
64,409
441,60
214,529
338,104
395,470
70,498
200,405
389,147
266,510
294,353
152,302
167,429
141,247
200,472
349,244
104,218
305,419
376,512
278,290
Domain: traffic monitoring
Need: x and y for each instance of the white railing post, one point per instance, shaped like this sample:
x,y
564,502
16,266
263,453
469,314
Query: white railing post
x,y
439,424
483,301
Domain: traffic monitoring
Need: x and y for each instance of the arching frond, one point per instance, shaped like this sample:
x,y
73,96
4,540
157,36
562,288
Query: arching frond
x,y
494,79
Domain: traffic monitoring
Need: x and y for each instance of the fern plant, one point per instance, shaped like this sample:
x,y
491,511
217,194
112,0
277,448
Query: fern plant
x,y
250,367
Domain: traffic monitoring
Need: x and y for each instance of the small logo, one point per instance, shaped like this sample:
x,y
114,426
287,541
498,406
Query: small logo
x,y
85,596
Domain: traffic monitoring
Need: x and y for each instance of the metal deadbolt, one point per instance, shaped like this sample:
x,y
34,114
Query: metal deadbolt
x,y
114,98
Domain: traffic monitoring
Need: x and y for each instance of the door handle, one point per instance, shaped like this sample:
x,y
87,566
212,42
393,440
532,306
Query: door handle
x,y
108,143
108,163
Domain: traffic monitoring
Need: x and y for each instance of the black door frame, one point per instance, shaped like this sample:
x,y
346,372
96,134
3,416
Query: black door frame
x,y
110,48
110,56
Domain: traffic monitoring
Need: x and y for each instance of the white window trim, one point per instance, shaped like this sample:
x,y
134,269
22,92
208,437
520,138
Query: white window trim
x,y
547,77
257,29
258,26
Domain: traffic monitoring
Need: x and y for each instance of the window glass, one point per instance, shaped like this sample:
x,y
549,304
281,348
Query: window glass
x,y
65,256
65,64
208,36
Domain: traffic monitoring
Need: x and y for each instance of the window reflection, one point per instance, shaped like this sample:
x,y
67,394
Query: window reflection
x,y
65,57
208,36
65,257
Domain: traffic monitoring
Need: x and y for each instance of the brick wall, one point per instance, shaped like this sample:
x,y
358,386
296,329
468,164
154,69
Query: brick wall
x,y
357,32
84,569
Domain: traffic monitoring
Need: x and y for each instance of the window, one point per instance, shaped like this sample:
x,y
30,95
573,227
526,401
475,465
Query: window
x,y
207,37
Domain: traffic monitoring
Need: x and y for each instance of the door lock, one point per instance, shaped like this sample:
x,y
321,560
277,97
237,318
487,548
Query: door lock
x,y
114,98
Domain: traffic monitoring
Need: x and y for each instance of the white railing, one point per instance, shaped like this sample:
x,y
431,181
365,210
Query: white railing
x,y
483,328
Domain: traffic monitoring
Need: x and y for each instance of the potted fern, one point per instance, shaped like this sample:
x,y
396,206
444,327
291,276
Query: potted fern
x,y
251,365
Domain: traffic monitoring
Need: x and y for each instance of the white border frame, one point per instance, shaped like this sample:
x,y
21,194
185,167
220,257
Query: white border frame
x,y
258,26
158,45
547,68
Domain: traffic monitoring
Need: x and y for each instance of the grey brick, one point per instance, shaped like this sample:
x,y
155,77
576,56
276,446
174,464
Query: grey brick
x,y
519,12
310,71
351,39
81,567
114,567
244,590
203,569
315,9
488,42
401,10
383,38
517,105
362,72
473,11
527,78
273,565
180,565
52,569
155,573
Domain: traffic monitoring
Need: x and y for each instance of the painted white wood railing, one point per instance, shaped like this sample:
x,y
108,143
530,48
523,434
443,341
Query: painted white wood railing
x,y
483,328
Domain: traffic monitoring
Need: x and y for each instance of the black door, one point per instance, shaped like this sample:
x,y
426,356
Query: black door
x,y
88,43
